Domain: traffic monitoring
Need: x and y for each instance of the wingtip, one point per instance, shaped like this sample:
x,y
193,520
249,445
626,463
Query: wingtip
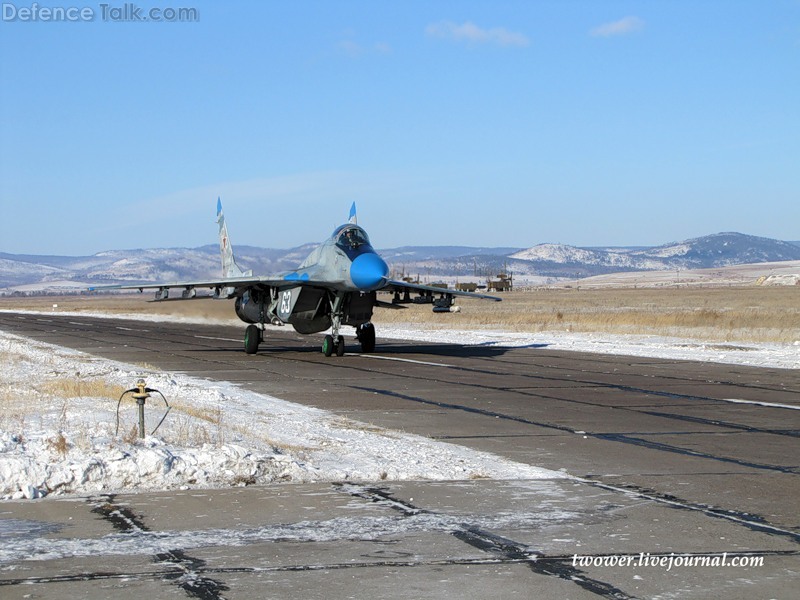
x,y
219,205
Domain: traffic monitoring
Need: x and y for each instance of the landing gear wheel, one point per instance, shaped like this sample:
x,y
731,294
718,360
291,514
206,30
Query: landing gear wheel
x,y
340,346
252,337
366,335
327,345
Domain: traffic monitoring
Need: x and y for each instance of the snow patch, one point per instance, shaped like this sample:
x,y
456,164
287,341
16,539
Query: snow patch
x,y
54,442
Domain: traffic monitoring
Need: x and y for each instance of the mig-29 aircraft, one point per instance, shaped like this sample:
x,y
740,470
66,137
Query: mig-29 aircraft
x,y
336,285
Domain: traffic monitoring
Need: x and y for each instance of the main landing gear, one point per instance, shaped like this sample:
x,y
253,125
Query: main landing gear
x,y
366,335
253,336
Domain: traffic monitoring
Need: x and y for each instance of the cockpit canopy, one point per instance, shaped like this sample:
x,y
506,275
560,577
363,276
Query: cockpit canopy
x,y
351,237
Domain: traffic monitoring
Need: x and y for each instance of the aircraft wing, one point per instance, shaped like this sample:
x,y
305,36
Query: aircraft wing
x,y
230,282
402,287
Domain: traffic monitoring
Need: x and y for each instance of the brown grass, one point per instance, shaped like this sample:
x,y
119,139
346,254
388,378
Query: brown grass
x,y
189,431
124,303
77,387
741,313
210,415
58,443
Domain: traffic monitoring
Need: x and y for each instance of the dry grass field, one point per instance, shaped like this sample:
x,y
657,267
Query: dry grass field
x,y
744,313
737,313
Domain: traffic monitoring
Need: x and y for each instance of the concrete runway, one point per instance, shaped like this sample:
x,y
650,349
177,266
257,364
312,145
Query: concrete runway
x,y
664,463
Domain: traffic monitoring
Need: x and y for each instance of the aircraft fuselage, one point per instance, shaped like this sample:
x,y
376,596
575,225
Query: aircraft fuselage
x,y
351,271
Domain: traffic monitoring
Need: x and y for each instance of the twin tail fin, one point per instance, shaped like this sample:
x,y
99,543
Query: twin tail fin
x,y
229,267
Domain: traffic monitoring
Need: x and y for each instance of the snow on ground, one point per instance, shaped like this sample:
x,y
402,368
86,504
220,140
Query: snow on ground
x,y
781,356
59,435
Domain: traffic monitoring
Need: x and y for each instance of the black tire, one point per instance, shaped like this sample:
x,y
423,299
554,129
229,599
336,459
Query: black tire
x,y
252,337
340,346
366,335
327,345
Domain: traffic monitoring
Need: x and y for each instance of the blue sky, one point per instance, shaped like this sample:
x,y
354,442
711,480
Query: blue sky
x,y
473,123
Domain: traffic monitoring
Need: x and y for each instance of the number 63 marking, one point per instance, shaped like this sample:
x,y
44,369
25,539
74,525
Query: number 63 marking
x,y
286,302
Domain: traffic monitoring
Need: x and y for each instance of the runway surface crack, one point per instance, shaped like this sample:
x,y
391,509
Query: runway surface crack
x,y
186,569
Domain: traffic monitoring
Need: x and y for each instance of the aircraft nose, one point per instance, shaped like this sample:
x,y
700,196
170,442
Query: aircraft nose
x,y
368,271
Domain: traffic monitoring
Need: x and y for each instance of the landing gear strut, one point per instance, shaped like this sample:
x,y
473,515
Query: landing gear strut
x,y
335,342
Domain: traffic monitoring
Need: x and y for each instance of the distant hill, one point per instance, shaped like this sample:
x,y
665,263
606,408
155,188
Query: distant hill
x,y
723,249
547,260
138,265
717,250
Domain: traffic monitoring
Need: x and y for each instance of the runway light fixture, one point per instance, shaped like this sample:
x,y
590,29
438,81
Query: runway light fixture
x,y
141,393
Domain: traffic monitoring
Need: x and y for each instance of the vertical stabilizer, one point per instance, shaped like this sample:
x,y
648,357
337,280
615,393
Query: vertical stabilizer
x,y
353,218
229,266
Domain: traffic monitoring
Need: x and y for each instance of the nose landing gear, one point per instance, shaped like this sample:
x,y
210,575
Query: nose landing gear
x,y
329,345
365,332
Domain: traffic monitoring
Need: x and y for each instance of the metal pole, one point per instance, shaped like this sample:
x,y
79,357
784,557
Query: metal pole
x,y
140,402
141,395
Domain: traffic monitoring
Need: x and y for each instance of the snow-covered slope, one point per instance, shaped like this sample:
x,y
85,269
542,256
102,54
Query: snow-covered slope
x,y
724,249
17,272
586,257
561,253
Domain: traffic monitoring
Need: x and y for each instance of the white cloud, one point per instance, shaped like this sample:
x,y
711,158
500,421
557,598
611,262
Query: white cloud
x,y
470,32
351,48
624,26
356,50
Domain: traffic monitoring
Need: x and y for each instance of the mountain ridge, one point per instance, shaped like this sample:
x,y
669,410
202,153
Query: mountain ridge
x,y
548,260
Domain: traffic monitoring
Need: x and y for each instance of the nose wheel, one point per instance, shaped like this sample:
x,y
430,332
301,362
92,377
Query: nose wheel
x,y
335,343
331,345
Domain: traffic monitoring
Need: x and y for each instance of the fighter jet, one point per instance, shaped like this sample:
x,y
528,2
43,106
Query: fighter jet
x,y
338,284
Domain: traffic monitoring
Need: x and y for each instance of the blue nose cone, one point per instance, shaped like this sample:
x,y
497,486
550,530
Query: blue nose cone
x,y
368,271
